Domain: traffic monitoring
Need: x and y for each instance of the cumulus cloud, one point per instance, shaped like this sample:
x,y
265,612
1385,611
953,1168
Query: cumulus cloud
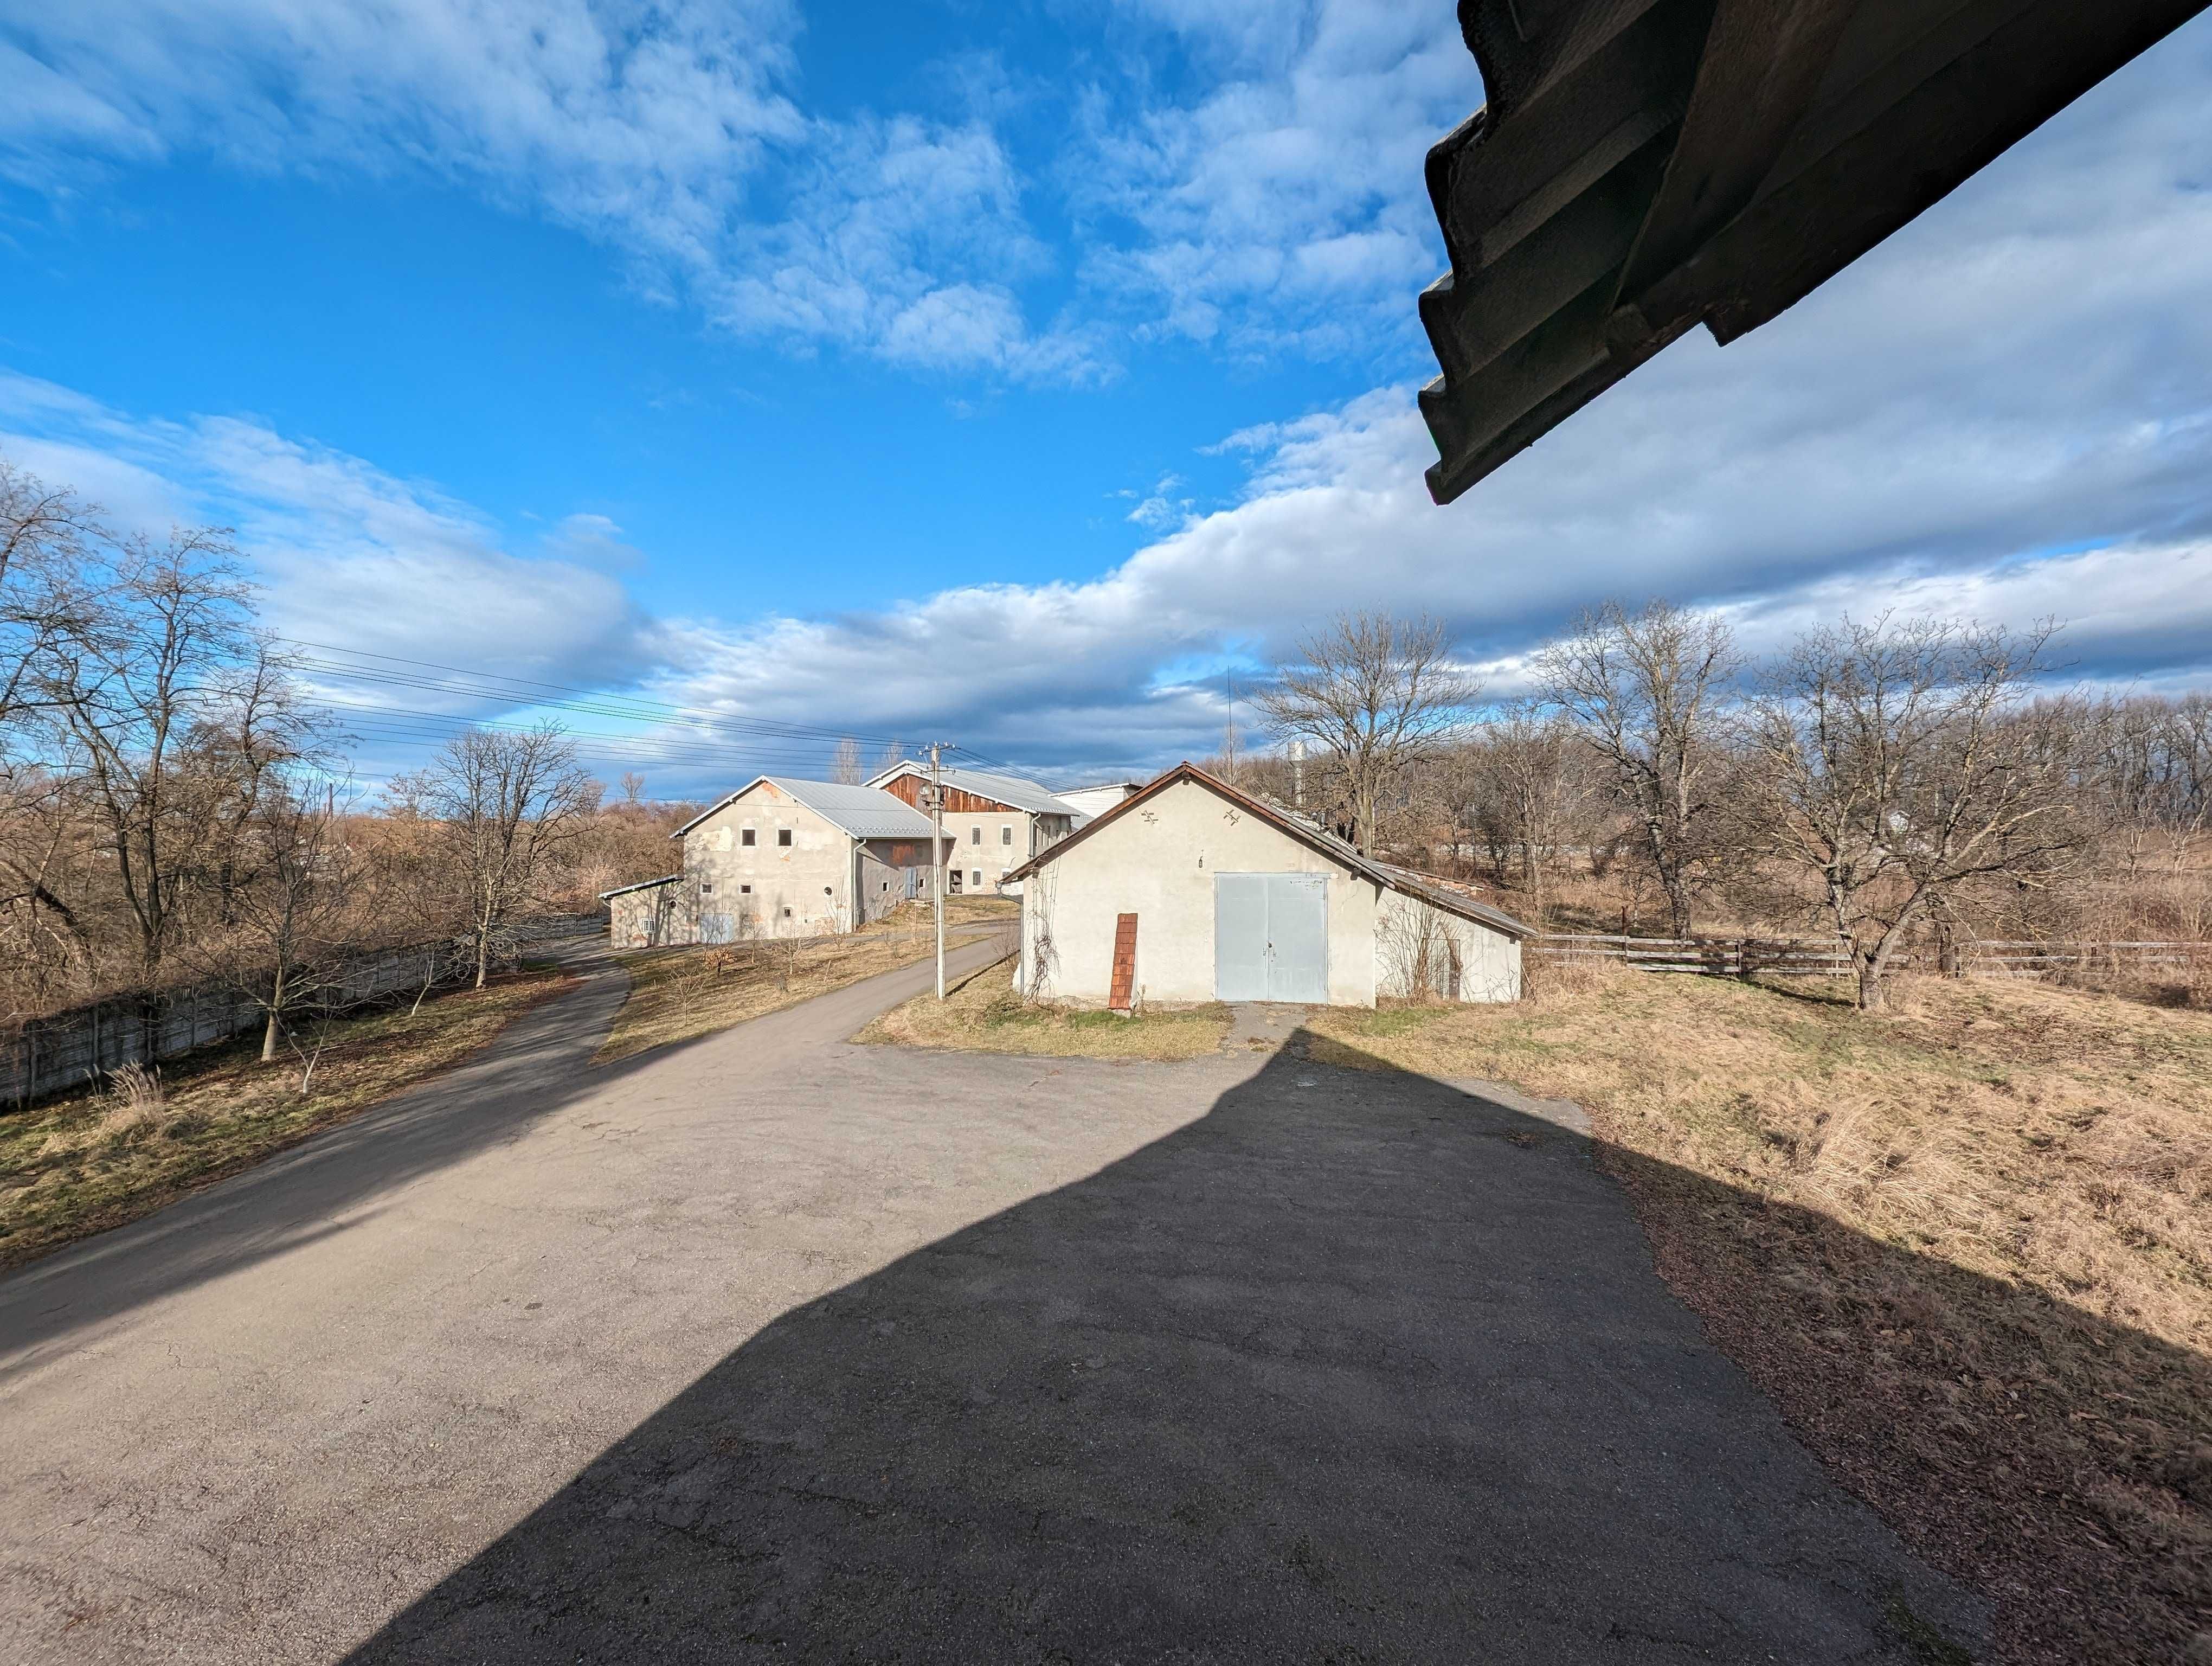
x,y
670,132
2006,413
346,553
1279,205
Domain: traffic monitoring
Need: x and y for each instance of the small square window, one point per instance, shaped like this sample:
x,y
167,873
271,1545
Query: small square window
x,y
887,884
1005,836
707,889
783,836
744,890
746,837
975,836
976,879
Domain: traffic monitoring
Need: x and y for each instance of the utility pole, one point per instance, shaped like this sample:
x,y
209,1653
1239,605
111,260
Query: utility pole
x,y
1229,735
937,857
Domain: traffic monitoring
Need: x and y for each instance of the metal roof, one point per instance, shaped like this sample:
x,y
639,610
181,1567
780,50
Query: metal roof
x,y
642,884
1644,166
1010,790
1403,880
863,813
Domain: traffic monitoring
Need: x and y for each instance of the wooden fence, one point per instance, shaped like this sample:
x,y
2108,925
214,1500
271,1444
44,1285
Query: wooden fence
x,y
1828,957
68,1049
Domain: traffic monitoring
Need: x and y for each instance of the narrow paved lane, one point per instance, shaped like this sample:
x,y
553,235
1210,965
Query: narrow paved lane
x,y
771,1346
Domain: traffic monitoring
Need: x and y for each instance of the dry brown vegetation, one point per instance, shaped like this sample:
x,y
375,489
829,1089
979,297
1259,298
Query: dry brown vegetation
x,y
984,1015
680,995
1966,1246
79,1164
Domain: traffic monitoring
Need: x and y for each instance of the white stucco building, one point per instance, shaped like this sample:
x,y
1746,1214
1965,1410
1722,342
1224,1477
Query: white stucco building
x,y
780,858
1092,802
995,821
1202,893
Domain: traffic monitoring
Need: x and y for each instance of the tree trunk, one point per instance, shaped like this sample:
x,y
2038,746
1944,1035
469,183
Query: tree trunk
x,y
1871,995
483,955
270,1034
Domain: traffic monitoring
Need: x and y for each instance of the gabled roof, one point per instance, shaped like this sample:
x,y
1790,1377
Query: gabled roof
x,y
1011,791
862,813
1402,880
1644,166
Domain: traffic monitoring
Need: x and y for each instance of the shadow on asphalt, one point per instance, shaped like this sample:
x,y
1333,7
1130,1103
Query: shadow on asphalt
x,y
1357,1367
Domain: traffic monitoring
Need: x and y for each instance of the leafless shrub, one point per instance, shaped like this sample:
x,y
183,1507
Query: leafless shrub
x,y
135,1103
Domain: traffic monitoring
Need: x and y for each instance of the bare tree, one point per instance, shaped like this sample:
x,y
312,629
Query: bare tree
x,y
278,926
506,803
173,710
1645,691
45,539
1532,787
1376,693
845,766
1900,761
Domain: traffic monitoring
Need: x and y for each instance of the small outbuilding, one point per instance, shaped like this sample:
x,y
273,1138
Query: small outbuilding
x,y
1190,891
781,858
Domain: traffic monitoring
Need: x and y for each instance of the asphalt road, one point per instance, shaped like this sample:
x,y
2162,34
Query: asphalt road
x,y
771,1347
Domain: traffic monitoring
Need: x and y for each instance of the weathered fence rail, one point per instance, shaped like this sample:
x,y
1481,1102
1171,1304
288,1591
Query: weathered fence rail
x,y
1827,957
40,1056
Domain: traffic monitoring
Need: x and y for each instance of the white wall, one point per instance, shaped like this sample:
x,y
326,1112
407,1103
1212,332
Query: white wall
x,y
1421,950
1092,802
804,889
1158,862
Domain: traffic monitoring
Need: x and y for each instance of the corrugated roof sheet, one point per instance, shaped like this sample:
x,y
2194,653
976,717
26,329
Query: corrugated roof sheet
x,y
1644,166
864,813
1012,790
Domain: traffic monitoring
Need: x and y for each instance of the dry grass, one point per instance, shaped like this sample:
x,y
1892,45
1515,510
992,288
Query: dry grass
x,y
680,995
79,1165
985,1015
1967,1246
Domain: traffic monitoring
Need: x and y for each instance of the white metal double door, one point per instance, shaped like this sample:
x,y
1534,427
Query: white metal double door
x,y
1271,937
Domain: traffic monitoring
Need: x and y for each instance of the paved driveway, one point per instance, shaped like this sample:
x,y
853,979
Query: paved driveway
x,y
770,1347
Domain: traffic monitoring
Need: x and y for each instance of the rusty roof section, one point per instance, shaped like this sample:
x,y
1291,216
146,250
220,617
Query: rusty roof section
x,y
1403,880
1644,166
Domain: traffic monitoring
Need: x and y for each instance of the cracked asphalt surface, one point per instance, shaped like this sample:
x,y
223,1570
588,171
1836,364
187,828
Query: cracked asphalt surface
x,y
772,1347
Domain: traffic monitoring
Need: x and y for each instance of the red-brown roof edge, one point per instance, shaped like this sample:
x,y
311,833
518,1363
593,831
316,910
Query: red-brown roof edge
x,y
1407,885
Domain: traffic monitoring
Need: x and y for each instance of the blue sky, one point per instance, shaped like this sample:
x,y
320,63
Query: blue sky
x,y
999,372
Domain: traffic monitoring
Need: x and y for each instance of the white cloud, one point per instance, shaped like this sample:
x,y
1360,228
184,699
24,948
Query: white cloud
x,y
669,131
1281,204
2006,413
346,553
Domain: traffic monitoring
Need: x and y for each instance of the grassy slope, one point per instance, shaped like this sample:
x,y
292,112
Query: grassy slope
x,y
81,1164
1967,1247
679,995
985,1015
